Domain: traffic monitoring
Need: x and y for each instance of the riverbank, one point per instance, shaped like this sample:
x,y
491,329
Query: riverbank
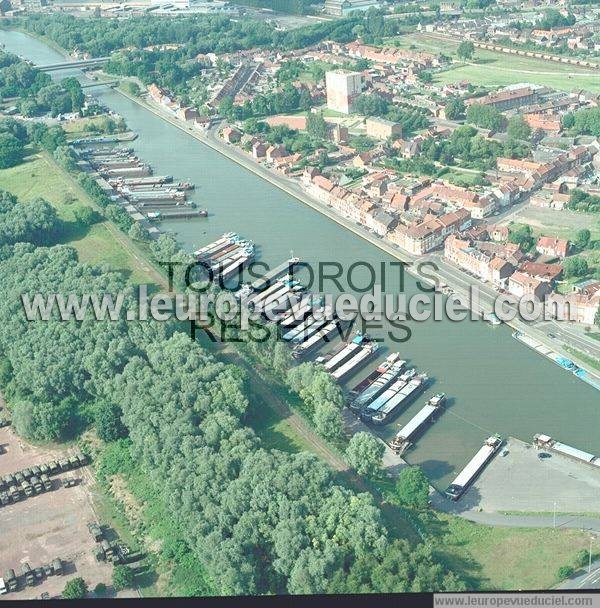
x,y
483,308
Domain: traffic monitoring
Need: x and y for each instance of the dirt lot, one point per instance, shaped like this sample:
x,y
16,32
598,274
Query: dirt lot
x,y
52,524
557,223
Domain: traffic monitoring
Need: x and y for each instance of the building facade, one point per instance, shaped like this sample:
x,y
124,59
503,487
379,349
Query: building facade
x,y
343,87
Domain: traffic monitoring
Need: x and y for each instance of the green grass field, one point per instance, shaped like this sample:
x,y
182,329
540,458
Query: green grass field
x,y
492,69
506,558
38,177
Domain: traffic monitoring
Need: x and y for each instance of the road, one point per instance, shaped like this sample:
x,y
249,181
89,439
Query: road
x,y
584,580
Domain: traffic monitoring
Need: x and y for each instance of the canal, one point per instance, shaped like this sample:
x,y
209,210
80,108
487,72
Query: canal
x,y
495,384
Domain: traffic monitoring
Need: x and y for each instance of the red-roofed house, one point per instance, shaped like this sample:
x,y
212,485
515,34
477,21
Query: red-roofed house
x,y
551,246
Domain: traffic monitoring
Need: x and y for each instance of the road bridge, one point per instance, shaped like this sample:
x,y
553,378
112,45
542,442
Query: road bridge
x,y
66,65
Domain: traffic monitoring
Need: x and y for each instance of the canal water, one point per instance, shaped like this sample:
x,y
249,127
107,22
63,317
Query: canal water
x,y
494,383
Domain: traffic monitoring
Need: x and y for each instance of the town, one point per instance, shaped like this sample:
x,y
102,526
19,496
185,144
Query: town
x,y
148,145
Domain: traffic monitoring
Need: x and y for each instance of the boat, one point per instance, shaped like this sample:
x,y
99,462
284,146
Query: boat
x,y
224,240
405,436
565,363
402,399
298,312
367,349
378,386
341,353
466,477
373,407
582,374
376,373
545,442
321,335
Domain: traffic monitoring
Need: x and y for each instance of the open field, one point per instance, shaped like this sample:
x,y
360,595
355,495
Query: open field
x,y
53,524
506,558
563,224
497,69
39,176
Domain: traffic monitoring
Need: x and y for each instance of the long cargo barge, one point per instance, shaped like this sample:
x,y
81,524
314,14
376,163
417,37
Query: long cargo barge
x,y
183,213
376,373
283,269
154,195
545,442
341,353
298,313
378,386
391,392
141,171
255,299
282,303
367,349
474,467
321,335
405,436
310,330
148,181
413,388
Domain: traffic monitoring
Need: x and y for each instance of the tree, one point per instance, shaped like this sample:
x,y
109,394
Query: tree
x,y
466,50
12,151
518,128
455,109
86,216
582,238
75,589
565,572
371,104
100,590
123,577
109,426
364,453
328,420
316,125
412,488
522,235
484,116
575,267
137,232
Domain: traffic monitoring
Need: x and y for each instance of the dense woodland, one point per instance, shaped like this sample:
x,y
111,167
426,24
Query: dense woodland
x,y
258,520
34,91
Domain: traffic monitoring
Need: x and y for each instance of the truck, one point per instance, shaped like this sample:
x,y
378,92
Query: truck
x,y
37,484
53,467
15,493
10,580
46,481
3,588
27,488
108,551
83,459
63,464
95,531
57,566
27,572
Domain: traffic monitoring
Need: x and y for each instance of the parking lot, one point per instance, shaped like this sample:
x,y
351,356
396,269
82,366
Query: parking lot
x,y
522,481
49,525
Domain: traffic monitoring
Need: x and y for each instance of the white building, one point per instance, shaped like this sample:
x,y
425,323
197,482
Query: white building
x,y
343,87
